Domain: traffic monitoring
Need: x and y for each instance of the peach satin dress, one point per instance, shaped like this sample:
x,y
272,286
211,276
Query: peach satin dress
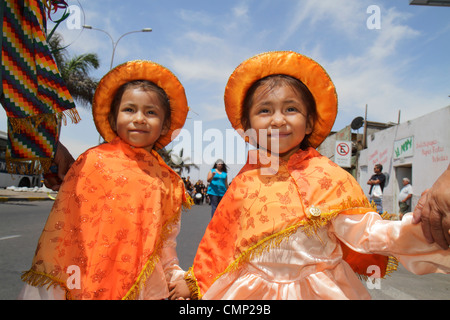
x,y
305,232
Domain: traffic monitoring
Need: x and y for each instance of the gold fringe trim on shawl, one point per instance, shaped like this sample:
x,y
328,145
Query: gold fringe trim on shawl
x,y
189,201
135,290
310,226
192,284
37,165
54,119
149,267
39,279
28,165
391,267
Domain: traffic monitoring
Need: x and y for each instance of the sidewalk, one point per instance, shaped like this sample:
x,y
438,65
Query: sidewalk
x,y
26,194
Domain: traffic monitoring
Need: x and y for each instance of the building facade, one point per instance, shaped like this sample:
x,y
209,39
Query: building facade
x,y
418,149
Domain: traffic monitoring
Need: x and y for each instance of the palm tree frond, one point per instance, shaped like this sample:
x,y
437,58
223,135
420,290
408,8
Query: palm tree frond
x,y
75,71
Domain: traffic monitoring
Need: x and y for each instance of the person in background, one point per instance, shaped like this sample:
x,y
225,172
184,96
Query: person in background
x,y
218,184
377,179
198,193
404,198
188,184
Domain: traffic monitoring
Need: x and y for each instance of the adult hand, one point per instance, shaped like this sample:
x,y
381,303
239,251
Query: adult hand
x,y
63,160
433,210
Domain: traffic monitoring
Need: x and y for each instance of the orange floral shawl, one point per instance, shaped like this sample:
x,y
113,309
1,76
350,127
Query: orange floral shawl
x,y
259,210
108,223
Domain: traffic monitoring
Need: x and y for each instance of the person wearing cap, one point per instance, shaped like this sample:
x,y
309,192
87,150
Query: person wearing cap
x,y
218,184
112,231
404,198
293,224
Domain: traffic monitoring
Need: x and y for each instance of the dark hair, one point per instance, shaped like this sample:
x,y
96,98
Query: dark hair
x,y
225,168
271,82
379,166
144,85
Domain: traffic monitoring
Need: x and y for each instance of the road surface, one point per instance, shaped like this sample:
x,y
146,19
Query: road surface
x,y
22,223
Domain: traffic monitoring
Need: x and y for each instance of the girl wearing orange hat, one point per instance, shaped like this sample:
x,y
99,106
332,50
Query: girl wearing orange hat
x,y
293,225
112,231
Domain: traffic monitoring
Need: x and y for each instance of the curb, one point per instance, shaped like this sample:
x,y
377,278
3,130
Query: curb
x,y
7,199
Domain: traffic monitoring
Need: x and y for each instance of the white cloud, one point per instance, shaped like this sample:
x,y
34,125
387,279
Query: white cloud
x,y
202,44
344,17
393,31
367,66
377,75
195,17
192,68
240,11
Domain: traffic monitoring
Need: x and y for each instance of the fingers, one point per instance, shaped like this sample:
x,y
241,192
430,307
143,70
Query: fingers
x,y
446,226
417,213
426,223
435,223
436,230
433,227
63,159
52,181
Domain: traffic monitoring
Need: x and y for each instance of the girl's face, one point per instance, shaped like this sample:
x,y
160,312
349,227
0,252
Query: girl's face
x,y
280,120
140,118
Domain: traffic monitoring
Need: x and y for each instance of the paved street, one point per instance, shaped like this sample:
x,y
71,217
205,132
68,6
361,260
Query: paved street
x,y
21,223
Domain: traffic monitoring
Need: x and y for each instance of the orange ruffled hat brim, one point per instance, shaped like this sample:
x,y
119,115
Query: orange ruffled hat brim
x,y
288,63
140,70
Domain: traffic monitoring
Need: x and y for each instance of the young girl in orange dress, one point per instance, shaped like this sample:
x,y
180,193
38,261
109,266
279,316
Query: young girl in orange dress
x,y
112,231
294,225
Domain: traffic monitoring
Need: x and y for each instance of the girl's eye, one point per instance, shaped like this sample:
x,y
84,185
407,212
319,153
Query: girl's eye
x,y
263,111
151,112
291,109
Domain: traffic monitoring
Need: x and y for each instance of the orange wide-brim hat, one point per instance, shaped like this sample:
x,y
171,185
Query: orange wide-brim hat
x,y
288,63
140,70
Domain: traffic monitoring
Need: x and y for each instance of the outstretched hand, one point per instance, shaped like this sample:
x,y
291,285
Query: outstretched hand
x,y
433,210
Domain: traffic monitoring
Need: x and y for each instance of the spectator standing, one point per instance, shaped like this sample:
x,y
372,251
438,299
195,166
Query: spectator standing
x,y
198,193
404,198
376,183
218,184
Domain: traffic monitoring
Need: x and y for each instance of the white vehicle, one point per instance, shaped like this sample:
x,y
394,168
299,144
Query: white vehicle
x,y
16,180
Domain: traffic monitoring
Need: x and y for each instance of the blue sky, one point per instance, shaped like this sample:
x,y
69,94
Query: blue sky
x,y
402,65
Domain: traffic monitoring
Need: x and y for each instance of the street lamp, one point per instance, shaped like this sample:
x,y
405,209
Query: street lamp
x,y
114,43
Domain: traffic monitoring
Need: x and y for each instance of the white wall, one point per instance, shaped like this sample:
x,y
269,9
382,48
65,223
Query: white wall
x,y
423,161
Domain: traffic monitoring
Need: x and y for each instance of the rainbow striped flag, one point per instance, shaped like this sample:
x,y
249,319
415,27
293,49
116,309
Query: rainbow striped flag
x,y
34,95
